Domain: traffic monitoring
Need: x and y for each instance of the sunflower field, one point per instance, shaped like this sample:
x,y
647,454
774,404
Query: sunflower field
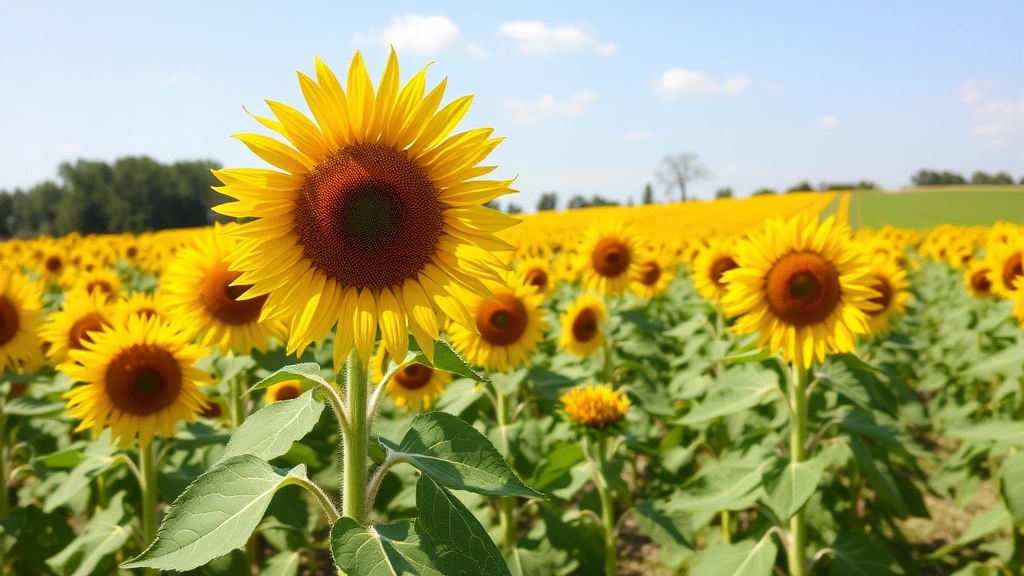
x,y
370,372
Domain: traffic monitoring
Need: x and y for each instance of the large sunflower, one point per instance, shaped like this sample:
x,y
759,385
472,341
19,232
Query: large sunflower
x,y
200,291
709,265
138,380
20,318
607,258
81,315
1006,262
890,281
503,332
375,217
581,326
802,287
414,386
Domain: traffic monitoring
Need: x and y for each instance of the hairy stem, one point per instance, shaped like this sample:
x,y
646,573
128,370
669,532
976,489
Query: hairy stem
x,y
147,466
798,453
611,541
357,442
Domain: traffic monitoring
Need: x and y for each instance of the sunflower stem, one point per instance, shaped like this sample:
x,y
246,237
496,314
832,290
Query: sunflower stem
x,y
147,465
606,371
507,509
798,453
4,472
611,541
355,451
237,402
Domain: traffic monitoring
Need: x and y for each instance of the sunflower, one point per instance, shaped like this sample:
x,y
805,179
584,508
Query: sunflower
x,y
79,318
596,407
376,216
802,286
581,326
102,280
138,380
502,332
414,386
285,390
1004,253
20,319
200,290
536,271
53,264
976,278
607,258
890,281
708,267
143,304
655,272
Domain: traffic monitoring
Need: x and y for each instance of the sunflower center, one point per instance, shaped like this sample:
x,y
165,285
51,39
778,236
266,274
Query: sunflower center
x,y
721,266
537,278
143,379
584,326
802,288
980,282
651,273
885,296
99,286
1012,268
131,252
9,320
221,298
54,264
289,392
81,328
414,377
610,257
368,216
503,322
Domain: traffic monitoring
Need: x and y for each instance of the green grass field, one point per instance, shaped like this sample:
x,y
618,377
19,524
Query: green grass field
x,y
926,208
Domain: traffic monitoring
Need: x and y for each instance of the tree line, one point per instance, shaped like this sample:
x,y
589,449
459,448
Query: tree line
x,y
134,194
947,178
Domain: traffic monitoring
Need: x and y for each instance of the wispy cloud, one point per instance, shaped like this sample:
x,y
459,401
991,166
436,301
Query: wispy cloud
x,y
995,121
529,112
423,36
540,39
634,135
829,123
679,82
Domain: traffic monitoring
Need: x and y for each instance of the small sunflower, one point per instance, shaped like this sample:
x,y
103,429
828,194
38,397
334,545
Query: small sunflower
x,y
655,272
890,281
595,407
977,279
581,326
802,286
502,332
138,379
102,280
285,390
20,319
415,386
79,318
536,271
143,304
53,264
376,216
201,291
710,264
607,258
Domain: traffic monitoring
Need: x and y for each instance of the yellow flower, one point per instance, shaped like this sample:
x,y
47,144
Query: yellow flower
x,y
607,257
977,279
1004,253
375,217
655,272
140,303
285,390
708,267
802,287
414,386
79,318
536,271
101,280
890,281
595,407
138,380
581,326
20,319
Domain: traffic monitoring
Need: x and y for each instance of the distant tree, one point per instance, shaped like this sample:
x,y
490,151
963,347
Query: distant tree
x,y
724,192
804,186
6,214
862,185
648,194
493,204
763,191
579,201
1022,180
980,178
935,178
548,201
629,201
514,208
679,171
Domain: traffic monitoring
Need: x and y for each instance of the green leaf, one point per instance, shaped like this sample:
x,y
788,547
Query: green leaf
x,y
102,536
283,564
270,431
445,359
791,484
857,554
454,454
309,371
387,550
449,522
216,514
97,458
746,558
1008,363
67,458
749,355
735,391
993,430
1011,476
671,530
28,406
995,519
880,478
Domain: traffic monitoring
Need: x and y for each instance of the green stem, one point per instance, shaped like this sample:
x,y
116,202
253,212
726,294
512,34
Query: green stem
x,y
606,369
611,542
102,497
1020,408
147,466
726,528
356,444
237,402
798,453
507,510
4,471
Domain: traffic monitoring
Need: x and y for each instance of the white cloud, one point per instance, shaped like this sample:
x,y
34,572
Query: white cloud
x,y
634,135
539,39
829,123
679,82
774,88
994,120
973,90
423,36
529,112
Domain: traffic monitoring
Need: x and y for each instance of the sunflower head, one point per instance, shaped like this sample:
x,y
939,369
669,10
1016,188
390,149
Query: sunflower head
x,y
102,280
581,323
413,387
608,257
537,272
890,281
81,315
286,390
20,319
655,272
374,215
142,304
977,278
595,407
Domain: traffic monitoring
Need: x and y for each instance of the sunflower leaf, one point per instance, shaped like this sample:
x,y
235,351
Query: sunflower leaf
x,y
309,371
104,534
456,455
394,548
270,431
445,359
216,514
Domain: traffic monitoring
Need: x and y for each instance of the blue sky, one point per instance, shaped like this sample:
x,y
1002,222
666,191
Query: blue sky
x,y
590,96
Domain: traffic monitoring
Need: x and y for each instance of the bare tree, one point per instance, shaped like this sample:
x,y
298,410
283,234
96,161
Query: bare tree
x,y
679,170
